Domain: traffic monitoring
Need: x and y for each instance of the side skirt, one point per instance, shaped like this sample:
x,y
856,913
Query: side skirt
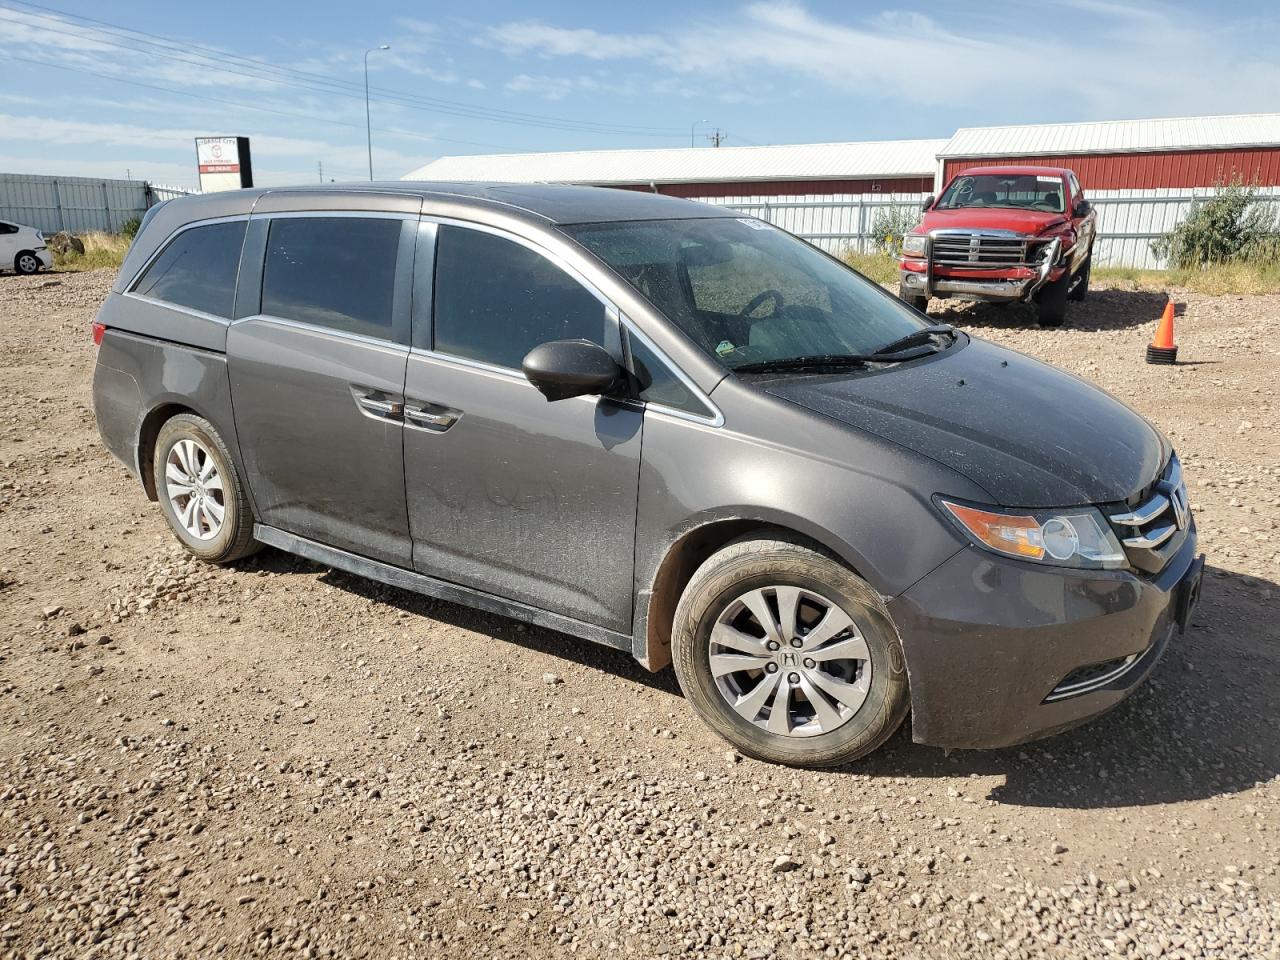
x,y
431,587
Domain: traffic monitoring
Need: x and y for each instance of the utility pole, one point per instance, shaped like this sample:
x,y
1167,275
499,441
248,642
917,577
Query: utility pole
x,y
717,138
368,124
320,169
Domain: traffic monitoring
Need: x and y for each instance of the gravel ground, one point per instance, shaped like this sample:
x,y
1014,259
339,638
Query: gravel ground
x,y
280,759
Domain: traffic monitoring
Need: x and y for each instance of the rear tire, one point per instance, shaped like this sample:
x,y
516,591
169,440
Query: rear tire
x,y
915,300
1051,302
26,263
839,685
200,493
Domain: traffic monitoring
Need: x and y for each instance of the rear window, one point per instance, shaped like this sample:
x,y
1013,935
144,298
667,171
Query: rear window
x,y
197,269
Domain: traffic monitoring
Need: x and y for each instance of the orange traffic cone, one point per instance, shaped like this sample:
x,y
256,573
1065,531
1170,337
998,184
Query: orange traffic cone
x,y
1162,349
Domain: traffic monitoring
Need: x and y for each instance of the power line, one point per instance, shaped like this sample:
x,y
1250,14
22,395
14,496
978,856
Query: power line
x,y
239,104
272,73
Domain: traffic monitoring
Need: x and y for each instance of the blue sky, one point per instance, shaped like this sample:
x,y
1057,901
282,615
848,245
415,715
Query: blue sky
x,y
84,98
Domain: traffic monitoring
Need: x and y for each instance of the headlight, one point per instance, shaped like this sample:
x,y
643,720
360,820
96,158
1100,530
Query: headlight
x,y
913,245
1078,537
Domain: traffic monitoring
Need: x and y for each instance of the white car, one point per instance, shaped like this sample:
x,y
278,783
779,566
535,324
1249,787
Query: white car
x,y
22,249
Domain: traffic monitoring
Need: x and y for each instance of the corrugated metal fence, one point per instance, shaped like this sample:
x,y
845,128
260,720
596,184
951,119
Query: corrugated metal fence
x,y
78,204
1128,220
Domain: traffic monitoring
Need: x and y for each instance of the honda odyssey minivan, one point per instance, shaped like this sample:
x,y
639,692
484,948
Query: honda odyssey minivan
x,y
660,426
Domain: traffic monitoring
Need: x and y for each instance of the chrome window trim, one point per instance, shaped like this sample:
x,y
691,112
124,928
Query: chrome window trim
x,y
168,305
716,418
389,345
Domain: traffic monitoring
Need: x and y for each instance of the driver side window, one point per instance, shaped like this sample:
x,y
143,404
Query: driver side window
x,y
495,300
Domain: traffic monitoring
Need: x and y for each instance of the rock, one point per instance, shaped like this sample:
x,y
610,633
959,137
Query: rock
x,y
1057,848
74,630
785,864
550,679
63,242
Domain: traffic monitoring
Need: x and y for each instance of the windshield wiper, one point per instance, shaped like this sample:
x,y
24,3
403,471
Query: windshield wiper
x,y
813,362
915,338
894,352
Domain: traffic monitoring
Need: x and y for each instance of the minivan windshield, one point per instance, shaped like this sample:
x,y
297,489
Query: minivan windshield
x,y
747,292
1017,191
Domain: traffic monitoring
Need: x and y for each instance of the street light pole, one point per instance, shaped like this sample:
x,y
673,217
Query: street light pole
x,y
368,124
694,128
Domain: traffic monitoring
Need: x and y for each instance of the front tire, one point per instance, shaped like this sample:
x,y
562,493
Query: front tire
x,y
915,300
789,655
1051,302
1081,288
200,493
26,263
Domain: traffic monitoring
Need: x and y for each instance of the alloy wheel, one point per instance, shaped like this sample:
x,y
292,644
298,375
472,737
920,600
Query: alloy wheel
x,y
27,263
790,661
194,488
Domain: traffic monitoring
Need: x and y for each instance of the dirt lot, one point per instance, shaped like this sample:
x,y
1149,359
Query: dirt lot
x,y
279,759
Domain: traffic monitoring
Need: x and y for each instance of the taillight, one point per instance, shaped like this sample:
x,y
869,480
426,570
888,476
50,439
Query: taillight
x,y
99,328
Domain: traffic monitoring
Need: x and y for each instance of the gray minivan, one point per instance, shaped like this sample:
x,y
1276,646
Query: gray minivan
x,y
661,426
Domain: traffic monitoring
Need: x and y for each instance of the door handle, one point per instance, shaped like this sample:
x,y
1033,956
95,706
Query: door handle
x,y
431,417
385,409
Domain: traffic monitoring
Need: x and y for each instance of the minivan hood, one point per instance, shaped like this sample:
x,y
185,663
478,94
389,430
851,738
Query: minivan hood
x,y
1030,222
1029,434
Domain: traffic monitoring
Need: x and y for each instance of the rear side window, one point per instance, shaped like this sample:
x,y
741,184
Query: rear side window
x,y
197,269
8,228
496,300
335,272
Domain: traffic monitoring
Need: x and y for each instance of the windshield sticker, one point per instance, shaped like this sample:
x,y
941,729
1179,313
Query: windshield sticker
x,y
1043,179
725,347
753,223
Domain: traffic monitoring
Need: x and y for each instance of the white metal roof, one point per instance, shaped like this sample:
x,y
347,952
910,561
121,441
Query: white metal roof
x,y
1117,136
808,161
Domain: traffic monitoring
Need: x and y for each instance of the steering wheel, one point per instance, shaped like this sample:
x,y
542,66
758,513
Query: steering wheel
x,y
760,298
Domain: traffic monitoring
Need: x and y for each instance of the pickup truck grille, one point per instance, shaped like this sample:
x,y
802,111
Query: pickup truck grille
x,y
1152,531
978,251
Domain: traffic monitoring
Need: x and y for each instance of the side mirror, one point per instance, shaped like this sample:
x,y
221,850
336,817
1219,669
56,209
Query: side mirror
x,y
1082,208
928,202
570,368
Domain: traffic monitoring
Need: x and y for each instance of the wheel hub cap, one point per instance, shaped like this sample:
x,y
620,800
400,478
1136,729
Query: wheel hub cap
x,y
194,488
790,661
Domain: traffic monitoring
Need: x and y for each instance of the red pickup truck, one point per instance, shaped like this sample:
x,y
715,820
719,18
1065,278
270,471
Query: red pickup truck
x,y
1003,234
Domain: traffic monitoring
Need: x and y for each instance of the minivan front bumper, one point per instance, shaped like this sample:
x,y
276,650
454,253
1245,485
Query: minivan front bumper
x,y
1000,651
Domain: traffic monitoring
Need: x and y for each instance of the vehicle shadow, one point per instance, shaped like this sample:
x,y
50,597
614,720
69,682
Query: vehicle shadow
x,y
1103,310
1206,723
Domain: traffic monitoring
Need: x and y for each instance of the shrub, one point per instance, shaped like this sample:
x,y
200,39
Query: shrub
x,y
1231,226
890,224
129,229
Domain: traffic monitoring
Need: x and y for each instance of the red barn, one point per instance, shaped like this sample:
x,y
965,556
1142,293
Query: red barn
x,y
1178,153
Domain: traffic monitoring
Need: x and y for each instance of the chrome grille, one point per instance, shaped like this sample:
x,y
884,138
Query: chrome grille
x,y
978,251
1151,531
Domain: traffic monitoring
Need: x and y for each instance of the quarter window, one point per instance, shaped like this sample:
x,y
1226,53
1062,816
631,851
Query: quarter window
x,y
335,272
496,299
197,269
657,383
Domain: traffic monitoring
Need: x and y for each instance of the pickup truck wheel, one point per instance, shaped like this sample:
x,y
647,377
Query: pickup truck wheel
x,y
200,493
1080,290
789,655
917,301
1051,302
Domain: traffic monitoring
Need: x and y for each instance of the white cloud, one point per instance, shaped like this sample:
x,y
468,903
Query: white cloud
x,y
529,36
1125,61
